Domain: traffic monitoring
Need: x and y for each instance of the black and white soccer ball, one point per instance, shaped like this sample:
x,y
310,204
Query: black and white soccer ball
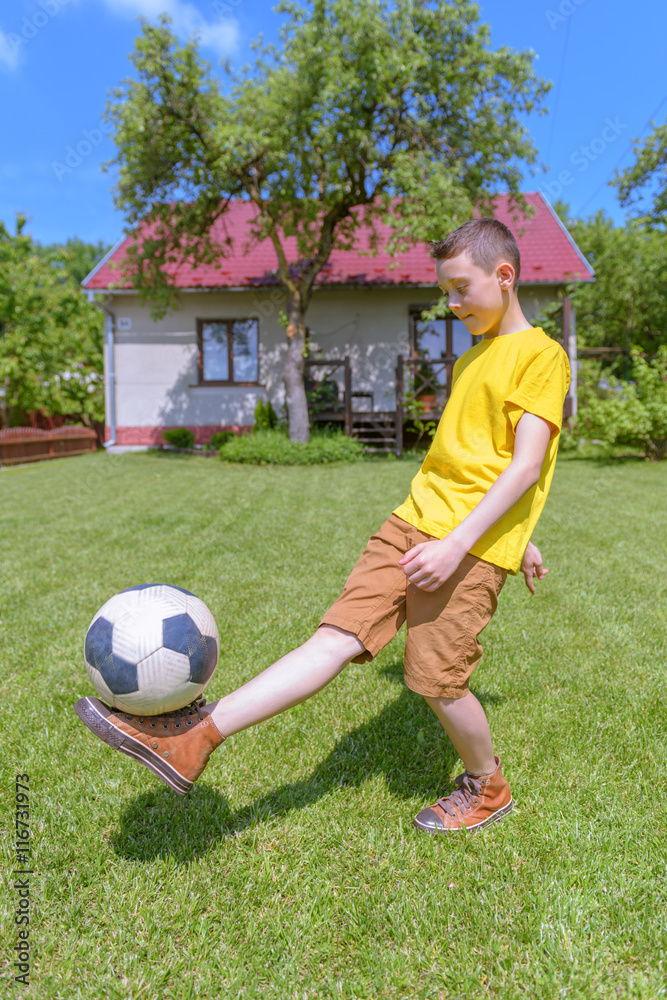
x,y
151,649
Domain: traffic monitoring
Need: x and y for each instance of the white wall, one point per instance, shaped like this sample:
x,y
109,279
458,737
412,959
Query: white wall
x,y
156,361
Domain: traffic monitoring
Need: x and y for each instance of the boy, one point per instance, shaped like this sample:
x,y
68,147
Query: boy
x,y
439,561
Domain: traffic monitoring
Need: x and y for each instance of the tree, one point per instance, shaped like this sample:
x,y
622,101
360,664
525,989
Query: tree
x,y
50,335
626,304
648,170
75,257
369,110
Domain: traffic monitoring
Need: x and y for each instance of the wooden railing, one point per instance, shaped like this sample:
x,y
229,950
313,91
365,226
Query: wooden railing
x,y
30,444
346,406
420,391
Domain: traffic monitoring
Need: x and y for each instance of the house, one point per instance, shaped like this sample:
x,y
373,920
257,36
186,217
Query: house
x,y
207,364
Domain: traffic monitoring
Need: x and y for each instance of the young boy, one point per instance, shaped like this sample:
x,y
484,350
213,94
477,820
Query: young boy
x,y
439,561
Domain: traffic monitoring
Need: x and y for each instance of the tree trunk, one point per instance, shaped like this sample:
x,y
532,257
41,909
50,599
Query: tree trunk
x,y
297,408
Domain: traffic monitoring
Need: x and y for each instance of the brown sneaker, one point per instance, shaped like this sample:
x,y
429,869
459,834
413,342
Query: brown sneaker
x,y
474,803
175,746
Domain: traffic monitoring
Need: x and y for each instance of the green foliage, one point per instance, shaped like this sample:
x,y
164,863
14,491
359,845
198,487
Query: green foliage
x,y
631,414
305,133
273,447
266,418
219,438
322,396
415,410
365,111
50,335
75,257
179,437
626,304
570,436
647,177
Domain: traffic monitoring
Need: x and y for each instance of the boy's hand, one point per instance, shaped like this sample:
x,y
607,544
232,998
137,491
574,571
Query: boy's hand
x,y
532,567
429,564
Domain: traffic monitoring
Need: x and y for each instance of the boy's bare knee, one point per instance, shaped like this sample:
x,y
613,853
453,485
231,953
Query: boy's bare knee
x,y
340,641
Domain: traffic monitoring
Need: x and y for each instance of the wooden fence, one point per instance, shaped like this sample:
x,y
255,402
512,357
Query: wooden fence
x,y
30,444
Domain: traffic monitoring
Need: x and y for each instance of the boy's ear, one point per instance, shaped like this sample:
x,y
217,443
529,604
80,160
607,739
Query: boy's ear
x,y
505,273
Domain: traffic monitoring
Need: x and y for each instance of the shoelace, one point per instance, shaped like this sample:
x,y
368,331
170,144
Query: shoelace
x,y
195,707
465,795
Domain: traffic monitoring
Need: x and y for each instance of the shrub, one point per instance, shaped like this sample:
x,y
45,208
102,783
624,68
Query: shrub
x,y
273,447
179,437
631,414
569,436
321,396
219,438
265,416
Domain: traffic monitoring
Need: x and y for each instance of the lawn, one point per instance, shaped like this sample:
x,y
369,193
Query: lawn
x,y
292,870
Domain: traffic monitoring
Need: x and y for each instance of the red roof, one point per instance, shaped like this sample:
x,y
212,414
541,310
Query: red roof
x,y
548,254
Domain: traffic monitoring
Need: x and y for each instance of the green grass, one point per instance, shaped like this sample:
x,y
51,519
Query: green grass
x,y
292,870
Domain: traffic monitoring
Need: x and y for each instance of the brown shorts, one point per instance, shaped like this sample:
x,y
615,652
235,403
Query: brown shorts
x,y
442,646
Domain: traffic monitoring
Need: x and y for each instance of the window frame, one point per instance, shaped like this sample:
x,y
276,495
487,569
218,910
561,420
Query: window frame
x,y
416,316
229,322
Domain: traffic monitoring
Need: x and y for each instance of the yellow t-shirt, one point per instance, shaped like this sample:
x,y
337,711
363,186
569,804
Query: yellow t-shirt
x,y
493,384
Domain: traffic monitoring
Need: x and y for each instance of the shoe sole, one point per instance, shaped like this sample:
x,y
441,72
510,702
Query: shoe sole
x,y
116,738
495,817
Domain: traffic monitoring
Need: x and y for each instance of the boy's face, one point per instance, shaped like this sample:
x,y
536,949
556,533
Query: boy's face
x,y
478,299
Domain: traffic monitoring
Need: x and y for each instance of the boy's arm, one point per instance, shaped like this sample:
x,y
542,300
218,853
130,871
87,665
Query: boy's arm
x,y
429,564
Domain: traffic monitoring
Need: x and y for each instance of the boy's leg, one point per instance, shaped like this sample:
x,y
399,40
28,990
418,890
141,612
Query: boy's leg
x,y
366,616
288,681
441,652
465,723
177,746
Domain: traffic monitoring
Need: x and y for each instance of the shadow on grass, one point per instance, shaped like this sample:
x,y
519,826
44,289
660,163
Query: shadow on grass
x,y
404,742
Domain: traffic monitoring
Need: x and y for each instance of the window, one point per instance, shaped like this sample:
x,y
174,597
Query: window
x,y
228,351
437,338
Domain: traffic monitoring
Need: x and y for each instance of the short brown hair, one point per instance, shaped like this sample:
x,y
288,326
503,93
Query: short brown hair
x,y
486,241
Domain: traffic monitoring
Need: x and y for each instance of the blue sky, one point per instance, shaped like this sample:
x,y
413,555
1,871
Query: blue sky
x,y
60,58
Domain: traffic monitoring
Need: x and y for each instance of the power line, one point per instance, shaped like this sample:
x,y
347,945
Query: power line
x,y
559,86
604,182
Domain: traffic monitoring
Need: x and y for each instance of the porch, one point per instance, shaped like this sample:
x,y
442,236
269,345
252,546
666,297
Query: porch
x,y
422,390
422,383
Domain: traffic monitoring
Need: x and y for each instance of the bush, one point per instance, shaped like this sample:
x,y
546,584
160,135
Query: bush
x,y
179,437
219,438
631,414
570,436
321,396
265,416
273,447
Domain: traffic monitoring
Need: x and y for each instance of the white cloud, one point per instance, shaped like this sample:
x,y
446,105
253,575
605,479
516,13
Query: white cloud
x,y
220,35
9,51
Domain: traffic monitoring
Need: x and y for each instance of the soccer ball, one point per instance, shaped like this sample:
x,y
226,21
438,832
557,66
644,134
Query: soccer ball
x,y
151,649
